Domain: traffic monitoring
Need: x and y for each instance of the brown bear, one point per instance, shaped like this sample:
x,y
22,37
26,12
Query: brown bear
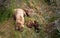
x,y
33,23
19,18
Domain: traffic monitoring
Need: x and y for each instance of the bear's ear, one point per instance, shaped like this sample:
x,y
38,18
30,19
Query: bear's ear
x,y
26,12
35,21
14,17
14,14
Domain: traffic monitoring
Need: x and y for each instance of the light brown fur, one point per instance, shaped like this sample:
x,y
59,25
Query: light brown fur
x,y
19,18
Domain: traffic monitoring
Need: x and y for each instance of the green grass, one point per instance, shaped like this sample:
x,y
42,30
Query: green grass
x,y
7,24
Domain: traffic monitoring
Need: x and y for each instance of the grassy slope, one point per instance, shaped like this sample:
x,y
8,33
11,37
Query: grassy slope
x,y
7,27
